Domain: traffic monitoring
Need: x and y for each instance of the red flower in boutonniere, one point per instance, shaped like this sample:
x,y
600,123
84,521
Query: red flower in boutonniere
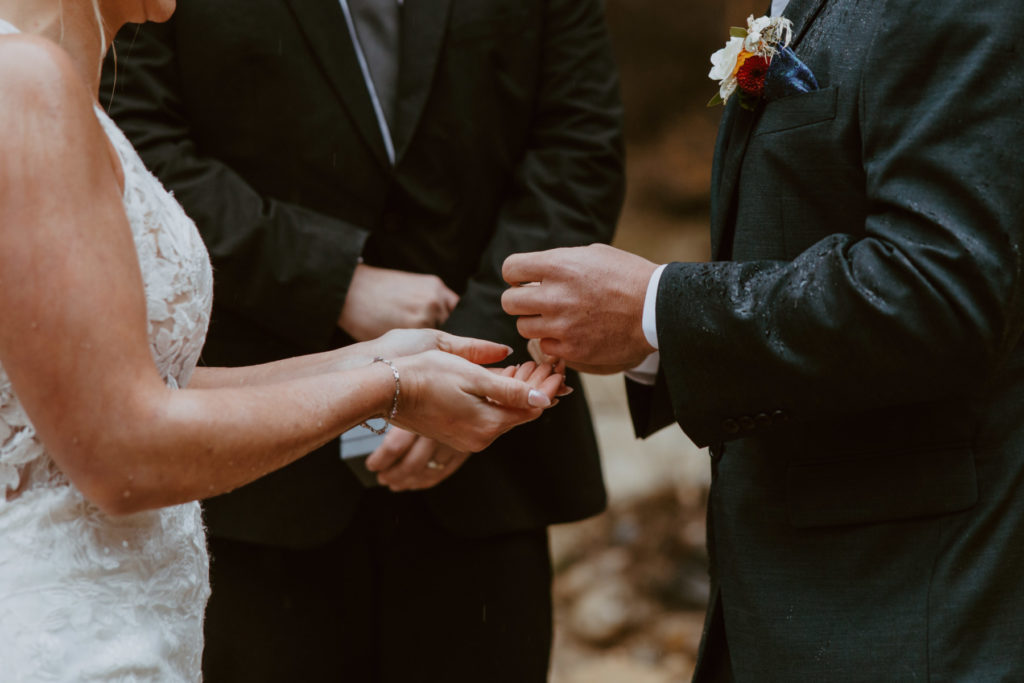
x,y
751,74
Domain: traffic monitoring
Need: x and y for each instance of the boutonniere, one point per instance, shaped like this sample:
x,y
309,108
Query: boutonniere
x,y
758,62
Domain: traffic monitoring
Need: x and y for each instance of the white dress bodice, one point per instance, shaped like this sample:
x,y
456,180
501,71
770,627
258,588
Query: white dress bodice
x,y
85,596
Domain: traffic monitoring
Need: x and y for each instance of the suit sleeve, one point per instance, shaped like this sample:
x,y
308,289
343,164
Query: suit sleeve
x,y
568,188
282,266
927,302
649,406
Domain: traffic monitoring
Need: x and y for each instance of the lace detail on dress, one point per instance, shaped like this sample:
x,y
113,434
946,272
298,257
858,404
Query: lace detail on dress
x,y
175,266
18,443
84,596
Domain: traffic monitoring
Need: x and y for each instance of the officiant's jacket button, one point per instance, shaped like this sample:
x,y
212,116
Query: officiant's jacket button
x,y
730,426
763,420
747,423
780,416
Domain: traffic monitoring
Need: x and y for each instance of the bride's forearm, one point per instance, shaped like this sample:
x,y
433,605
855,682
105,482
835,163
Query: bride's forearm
x,y
337,360
186,445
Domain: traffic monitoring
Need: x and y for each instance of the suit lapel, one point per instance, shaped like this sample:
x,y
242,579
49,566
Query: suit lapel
x,y
424,23
733,133
802,13
325,29
736,127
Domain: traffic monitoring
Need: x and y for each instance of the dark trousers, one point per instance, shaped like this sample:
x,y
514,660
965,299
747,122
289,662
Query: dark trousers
x,y
715,665
394,599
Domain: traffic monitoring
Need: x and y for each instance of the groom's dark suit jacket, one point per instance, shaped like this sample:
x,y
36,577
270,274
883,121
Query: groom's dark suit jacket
x,y
853,355
255,114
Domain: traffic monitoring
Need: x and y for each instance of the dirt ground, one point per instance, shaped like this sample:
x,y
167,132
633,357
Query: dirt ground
x,y
631,584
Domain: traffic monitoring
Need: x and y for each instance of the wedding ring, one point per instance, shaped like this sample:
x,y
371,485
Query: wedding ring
x,y
435,465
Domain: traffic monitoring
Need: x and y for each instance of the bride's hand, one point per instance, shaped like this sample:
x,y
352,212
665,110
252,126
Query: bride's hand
x,y
454,401
406,461
397,343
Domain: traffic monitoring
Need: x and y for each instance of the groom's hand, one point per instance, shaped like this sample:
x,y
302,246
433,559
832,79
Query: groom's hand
x,y
584,304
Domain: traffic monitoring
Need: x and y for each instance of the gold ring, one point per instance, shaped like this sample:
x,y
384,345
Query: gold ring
x,y
435,465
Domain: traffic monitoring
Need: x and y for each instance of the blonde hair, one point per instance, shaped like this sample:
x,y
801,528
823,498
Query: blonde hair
x,y
99,22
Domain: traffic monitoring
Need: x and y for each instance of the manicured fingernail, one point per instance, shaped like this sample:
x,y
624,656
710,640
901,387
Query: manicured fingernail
x,y
565,392
538,399
508,351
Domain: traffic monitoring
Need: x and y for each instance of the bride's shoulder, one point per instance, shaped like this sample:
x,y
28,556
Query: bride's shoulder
x,y
39,82
50,126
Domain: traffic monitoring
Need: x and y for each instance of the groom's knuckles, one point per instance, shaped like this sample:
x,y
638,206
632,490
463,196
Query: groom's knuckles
x,y
523,300
529,327
517,267
536,266
510,301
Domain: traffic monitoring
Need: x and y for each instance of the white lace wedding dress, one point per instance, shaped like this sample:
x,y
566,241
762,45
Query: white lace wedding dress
x,y
83,596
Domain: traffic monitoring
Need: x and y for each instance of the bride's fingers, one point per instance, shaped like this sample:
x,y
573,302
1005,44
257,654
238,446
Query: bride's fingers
x,y
524,371
476,351
539,374
510,392
392,449
565,389
554,386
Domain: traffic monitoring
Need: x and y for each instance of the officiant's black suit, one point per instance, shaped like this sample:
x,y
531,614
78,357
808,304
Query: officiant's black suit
x,y
853,355
507,136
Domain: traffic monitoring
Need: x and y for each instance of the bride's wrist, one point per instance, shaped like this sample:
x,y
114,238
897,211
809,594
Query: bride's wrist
x,y
350,357
390,379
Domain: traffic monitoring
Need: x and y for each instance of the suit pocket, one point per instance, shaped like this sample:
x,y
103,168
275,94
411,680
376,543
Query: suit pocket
x,y
798,111
882,487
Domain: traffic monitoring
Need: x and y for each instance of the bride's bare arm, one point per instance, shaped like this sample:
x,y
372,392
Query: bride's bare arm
x,y
391,345
73,331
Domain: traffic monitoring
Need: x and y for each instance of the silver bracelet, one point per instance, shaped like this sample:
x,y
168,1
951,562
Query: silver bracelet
x,y
394,401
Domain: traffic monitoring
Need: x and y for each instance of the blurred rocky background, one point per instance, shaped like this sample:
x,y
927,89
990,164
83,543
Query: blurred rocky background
x,y
631,585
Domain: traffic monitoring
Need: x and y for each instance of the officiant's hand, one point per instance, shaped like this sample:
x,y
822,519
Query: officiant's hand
x,y
409,462
381,299
584,304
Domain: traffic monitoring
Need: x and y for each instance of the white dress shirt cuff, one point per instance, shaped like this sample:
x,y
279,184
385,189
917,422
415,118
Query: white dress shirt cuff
x,y
647,371
650,317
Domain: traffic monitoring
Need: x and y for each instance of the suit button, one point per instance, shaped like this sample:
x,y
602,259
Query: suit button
x,y
747,423
763,420
780,416
730,426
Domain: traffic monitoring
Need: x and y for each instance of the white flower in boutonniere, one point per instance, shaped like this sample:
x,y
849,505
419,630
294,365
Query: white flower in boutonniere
x,y
744,61
723,67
